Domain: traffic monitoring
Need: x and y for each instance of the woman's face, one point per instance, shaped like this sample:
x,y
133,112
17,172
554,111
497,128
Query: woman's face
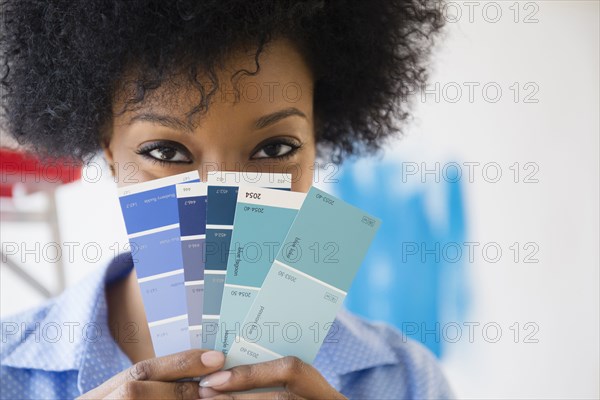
x,y
270,128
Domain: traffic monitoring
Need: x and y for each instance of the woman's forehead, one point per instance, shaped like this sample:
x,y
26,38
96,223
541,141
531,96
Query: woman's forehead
x,y
280,73
283,82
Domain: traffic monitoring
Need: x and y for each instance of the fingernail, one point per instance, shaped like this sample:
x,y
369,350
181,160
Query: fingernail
x,y
212,358
216,379
206,392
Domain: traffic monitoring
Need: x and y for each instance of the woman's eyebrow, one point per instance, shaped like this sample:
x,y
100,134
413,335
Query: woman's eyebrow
x,y
270,119
166,120
177,124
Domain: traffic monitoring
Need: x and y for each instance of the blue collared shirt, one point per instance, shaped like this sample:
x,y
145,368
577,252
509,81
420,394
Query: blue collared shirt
x,y
64,348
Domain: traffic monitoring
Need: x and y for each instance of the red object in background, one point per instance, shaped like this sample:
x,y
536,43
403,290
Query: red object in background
x,y
35,174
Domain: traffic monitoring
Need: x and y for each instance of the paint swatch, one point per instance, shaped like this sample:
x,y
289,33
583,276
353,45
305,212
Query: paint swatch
x,y
262,220
152,221
307,282
191,199
222,198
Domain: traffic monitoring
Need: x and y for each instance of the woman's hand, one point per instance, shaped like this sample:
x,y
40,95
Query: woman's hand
x,y
296,379
154,378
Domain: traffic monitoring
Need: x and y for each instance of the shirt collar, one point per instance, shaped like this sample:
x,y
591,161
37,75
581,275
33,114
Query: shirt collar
x,y
73,334
352,345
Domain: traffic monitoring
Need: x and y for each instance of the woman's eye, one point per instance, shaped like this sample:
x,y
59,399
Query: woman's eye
x,y
165,153
168,154
274,150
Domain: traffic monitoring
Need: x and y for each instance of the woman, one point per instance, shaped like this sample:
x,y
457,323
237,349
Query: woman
x,y
163,87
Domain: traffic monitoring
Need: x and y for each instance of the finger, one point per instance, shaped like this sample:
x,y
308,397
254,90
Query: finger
x,y
155,390
258,396
190,363
289,373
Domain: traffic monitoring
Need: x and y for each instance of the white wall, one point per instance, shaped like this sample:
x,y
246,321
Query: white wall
x,y
559,214
559,55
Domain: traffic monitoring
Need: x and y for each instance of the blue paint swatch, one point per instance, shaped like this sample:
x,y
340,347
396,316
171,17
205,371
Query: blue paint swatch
x,y
152,221
191,199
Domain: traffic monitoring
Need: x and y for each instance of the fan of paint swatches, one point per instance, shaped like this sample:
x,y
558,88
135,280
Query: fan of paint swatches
x,y
262,220
307,282
220,212
191,199
152,222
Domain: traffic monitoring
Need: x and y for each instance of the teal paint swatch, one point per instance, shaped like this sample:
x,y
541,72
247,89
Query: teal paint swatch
x,y
220,212
307,282
262,220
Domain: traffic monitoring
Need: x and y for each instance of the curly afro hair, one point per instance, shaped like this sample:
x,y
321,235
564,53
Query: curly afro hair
x,y
60,61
